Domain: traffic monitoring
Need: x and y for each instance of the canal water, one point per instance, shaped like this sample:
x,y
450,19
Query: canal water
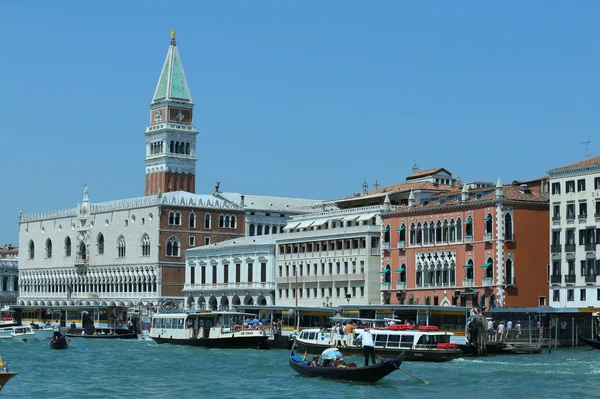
x,y
143,369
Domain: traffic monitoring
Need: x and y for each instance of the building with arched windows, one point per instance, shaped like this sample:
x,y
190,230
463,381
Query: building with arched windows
x,y
484,247
9,275
231,273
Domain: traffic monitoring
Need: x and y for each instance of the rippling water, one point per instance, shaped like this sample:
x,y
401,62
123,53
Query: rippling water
x,y
143,369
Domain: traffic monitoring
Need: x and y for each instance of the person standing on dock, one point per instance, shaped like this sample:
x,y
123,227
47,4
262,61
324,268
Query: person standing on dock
x,y
368,345
563,329
508,328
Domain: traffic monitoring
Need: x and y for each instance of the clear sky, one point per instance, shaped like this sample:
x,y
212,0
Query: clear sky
x,y
300,99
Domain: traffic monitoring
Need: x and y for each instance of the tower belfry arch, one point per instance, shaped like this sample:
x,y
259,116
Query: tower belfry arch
x,y
171,135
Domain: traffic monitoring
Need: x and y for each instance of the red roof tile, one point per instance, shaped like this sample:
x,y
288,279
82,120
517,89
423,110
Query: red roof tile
x,y
589,161
407,186
424,173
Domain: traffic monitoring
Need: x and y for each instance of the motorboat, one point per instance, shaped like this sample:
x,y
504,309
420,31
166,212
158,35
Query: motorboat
x,y
22,334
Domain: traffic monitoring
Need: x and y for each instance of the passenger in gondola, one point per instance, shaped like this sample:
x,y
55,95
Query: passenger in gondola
x,y
315,361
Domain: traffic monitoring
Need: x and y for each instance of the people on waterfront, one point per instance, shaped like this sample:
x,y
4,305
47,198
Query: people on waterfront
x,y
518,329
349,332
368,345
56,328
508,328
276,325
500,331
490,328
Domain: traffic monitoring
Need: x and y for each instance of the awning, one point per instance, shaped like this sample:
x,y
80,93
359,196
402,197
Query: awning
x,y
387,228
468,221
320,222
350,218
291,226
469,265
304,224
469,293
487,218
401,270
486,265
399,229
366,217
384,271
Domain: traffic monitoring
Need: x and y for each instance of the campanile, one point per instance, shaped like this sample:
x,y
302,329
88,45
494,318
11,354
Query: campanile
x,y
171,134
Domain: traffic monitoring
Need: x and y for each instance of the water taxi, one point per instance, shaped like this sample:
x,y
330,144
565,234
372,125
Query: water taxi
x,y
209,329
422,343
7,332
22,334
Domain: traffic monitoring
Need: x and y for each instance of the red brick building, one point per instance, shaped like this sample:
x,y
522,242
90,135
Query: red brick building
x,y
487,247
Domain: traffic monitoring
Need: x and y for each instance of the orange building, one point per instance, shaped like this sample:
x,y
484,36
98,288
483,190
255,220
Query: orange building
x,y
485,247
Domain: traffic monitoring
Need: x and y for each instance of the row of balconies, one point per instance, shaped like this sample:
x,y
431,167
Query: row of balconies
x,y
466,282
333,253
327,277
487,237
571,216
570,278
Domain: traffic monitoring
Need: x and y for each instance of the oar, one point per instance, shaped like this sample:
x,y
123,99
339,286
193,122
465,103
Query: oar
x,y
412,375
77,343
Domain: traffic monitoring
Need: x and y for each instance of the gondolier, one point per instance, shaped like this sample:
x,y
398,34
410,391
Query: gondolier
x,y
368,345
56,328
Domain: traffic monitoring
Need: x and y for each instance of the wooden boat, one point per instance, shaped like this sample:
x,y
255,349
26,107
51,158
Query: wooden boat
x,y
59,343
4,377
591,342
208,329
371,373
128,335
424,344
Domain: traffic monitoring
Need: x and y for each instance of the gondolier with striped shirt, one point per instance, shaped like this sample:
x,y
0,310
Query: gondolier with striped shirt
x,y
368,345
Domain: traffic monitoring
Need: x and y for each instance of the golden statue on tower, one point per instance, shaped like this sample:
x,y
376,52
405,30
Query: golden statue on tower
x,y
172,33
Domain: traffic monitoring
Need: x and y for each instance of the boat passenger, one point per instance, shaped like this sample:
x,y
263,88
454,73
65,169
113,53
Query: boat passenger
x,y
255,323
315,361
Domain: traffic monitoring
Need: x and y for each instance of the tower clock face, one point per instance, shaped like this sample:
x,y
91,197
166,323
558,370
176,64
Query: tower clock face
x,y
180,115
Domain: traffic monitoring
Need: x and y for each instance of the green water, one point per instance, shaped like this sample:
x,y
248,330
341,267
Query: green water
x,y
143,369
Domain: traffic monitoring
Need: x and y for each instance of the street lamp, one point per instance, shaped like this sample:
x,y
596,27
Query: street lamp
x,y
327,304
348,297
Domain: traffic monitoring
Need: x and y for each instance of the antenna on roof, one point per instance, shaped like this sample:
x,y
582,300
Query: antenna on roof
x,y
365,186
587,148
376,184
415,168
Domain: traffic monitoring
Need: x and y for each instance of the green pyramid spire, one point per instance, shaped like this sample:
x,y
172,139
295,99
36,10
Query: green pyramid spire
x,y
172,85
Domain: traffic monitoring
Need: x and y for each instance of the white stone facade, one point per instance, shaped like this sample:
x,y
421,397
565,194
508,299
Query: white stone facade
x,y
231,273
575,235
330,258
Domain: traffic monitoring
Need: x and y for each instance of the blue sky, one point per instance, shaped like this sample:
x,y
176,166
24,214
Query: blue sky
x,y
300,99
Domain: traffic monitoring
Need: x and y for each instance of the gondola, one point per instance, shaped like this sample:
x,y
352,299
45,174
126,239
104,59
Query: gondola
x,y
4,377
59,343
371,373
591,342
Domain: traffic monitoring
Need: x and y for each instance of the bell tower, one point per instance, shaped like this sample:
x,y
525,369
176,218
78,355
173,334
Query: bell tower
x,y
171,135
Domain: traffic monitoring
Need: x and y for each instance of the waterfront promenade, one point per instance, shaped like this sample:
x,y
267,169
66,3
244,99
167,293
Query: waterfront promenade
x,y
143,369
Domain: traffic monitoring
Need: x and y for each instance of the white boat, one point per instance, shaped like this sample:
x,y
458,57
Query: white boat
x,y
22,334
422,343
210,329
6,332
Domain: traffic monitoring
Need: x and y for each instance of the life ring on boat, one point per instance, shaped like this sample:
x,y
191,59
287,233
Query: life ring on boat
x,y
237,328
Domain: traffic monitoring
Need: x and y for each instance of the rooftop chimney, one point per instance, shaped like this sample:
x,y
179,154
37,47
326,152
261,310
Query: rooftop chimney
x,y
387,204
217,184
499,189
464,195
411,199
242,197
